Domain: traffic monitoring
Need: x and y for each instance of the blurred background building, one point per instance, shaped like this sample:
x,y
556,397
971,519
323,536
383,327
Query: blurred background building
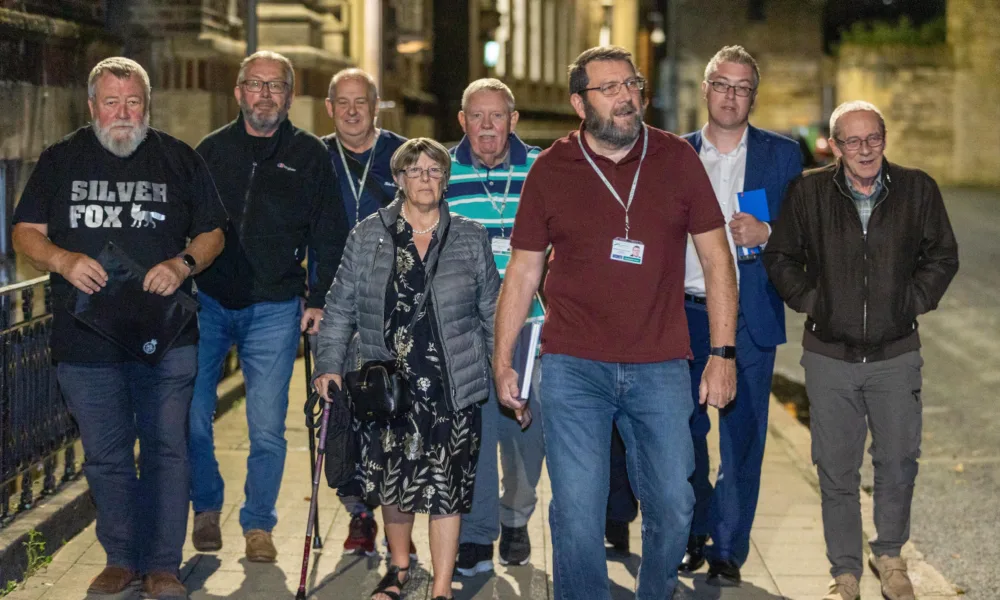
x,y
936,73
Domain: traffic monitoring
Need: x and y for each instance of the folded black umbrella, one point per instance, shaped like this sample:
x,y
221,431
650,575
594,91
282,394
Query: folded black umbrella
x,y
143,323
341,448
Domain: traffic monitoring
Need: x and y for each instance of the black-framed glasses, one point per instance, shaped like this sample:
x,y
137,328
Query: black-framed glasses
x,y
722,87
256,85
612,88
874,141
415,172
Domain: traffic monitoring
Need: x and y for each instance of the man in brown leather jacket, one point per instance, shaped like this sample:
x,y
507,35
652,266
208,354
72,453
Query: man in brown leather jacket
x,y
863,247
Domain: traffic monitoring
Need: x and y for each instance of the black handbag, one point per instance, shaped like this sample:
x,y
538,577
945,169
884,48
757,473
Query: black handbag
x,y
379,391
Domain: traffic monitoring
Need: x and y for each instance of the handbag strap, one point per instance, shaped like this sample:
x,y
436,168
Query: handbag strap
x,y
427,285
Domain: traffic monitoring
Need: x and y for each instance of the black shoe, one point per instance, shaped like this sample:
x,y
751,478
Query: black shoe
x,y
515,547
474,558
694,558
723,573
616,534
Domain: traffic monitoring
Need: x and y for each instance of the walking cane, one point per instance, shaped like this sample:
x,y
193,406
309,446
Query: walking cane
x,y
311,425
313,504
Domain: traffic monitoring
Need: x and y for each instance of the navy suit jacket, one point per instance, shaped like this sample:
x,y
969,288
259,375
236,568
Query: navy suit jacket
x,y
772,162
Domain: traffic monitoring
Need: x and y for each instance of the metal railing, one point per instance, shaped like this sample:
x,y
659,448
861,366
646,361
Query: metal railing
x,y
35,425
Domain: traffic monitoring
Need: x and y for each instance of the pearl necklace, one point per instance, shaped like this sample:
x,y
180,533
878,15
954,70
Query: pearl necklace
x,y
421,231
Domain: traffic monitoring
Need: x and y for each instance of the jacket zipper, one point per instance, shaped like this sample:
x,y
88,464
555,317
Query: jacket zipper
x,y
864,245
246,200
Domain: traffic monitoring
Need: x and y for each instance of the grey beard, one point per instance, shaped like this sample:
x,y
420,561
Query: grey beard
x,y
609,133
125,147
263,124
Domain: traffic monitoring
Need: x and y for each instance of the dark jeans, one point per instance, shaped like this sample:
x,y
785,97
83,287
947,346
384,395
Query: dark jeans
x,y
846,400
622,503
141,516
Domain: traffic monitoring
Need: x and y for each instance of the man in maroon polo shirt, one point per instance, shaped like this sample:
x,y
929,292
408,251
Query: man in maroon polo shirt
x,y
617,201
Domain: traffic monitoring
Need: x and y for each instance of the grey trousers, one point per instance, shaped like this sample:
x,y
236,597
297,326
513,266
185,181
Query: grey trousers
x,y
512,500
846,400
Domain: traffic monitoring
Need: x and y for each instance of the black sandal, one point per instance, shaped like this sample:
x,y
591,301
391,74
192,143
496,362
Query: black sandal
x,y
392,579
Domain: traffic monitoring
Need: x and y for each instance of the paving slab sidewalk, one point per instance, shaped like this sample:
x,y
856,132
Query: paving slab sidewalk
x,y
787,557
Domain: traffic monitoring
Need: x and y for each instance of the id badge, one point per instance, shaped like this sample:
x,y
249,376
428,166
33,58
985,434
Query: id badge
x,y
627,251
501,245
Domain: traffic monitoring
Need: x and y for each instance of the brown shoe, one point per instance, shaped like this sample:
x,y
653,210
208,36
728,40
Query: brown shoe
x,y
260,548
207,535
844,587
163,586
112,580
891,571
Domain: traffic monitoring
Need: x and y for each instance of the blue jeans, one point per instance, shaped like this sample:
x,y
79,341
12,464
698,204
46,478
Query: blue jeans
x,y
727,512
141,517
651,405
521,455
266,335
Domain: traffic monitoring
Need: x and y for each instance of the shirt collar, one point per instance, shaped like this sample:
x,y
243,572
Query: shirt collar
x,y
876,188
517,153
503,165
708,145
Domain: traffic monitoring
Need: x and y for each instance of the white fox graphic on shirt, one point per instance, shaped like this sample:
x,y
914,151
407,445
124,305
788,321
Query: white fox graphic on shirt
x,y
145,218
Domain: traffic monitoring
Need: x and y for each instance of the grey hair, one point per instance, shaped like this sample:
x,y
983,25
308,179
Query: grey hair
x,y
578,79
268,55
122,68
853,106
488,84
733,54
409,153
358,75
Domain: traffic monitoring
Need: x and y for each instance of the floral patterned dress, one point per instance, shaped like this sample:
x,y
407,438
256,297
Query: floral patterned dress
x,y
424,461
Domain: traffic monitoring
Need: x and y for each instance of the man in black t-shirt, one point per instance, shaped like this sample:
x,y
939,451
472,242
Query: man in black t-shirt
x,y
121,181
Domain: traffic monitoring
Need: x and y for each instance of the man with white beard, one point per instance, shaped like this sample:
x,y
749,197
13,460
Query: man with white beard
x,y
278,186
78,199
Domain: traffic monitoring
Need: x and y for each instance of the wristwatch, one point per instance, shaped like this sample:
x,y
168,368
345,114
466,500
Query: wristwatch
x,y
189,262
724,352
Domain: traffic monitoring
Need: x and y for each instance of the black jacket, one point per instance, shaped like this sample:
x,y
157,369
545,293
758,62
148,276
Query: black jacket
x,y
862,292
281,196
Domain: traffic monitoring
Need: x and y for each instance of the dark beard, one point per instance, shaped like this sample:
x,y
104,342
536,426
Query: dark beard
x,y
266,123
607,131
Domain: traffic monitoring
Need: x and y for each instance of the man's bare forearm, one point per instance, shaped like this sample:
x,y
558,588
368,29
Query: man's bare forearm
x,y
524,272
722,300
31,241
204,248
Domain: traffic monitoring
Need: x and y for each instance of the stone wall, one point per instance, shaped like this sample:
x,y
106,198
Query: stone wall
x,y
972,34
914,89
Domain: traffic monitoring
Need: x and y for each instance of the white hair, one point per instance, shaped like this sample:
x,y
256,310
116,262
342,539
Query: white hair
x,y
268,55
853,106
488,84
122,68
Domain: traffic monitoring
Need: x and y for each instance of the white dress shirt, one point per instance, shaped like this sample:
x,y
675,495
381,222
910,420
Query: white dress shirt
x,y
727,172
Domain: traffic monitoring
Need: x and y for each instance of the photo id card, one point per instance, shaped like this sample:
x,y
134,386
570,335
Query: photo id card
x,y
627,251
501,245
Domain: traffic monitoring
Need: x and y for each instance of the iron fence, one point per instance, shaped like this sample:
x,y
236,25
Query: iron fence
x,y
35,425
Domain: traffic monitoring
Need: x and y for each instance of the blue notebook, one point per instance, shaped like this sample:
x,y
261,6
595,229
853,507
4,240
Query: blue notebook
x,y
753,202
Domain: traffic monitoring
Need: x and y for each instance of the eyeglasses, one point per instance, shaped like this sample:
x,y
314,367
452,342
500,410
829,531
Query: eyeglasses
x,y
612,88
256,85
415,172
874,141
722,87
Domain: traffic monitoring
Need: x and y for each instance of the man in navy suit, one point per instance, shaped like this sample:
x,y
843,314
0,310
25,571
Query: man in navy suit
x,y
743,163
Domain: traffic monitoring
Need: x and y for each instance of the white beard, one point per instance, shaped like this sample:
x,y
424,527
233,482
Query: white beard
x,y
118,146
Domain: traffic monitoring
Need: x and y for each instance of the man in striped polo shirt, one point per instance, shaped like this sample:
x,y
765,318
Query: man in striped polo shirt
x,y
488,168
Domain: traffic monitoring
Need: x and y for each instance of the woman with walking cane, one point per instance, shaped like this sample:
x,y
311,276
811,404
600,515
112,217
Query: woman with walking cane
x,y
420,287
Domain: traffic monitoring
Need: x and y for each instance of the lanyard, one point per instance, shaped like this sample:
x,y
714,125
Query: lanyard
x,y
364,176
506,190
635,180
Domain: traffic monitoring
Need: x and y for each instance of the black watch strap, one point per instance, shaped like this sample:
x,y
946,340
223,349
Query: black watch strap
x,y
724,351
189,261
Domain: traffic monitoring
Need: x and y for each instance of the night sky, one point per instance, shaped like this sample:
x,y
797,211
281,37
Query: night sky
x,y
840,14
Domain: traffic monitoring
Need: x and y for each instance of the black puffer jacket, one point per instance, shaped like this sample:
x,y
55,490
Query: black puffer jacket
x,y
862,292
